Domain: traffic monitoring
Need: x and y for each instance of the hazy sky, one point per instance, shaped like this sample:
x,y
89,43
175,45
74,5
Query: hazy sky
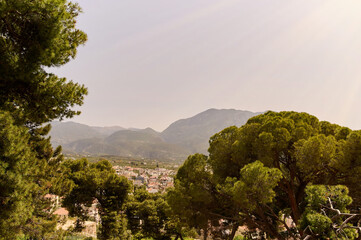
x,y
151,62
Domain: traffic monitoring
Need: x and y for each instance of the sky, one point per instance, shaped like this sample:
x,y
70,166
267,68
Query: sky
x,y
148,63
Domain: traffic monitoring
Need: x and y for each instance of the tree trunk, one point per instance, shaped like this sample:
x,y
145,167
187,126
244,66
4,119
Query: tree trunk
x,y
293,202
205,233
234,230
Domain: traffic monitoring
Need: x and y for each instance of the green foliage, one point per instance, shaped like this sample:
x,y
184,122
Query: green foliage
x,y
255,186
221,152
97,182
320,217
349,162
313,155
303,148
34,35
190,199
15,176
238,238
320,224
114,226
148,215
27,172
317,196
257,174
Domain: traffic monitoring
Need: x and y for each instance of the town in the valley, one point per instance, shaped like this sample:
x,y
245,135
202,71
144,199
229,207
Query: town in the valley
x,y
155,180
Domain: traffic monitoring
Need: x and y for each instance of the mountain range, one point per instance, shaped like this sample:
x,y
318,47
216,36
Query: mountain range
x,y
180,139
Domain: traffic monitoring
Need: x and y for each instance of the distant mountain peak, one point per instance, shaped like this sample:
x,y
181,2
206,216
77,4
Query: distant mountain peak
x,y
193,133
181,138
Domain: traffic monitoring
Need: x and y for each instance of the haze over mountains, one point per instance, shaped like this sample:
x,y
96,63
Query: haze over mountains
x,y
181,138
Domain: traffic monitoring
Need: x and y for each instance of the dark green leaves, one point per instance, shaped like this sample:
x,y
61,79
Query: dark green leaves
x,y
258,174
16,172
97,182
255,186
34,35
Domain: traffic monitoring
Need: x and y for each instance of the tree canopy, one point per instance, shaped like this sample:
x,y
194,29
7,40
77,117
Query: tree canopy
x,y
98,183
326,215
148,215
15,172
34,36
257,174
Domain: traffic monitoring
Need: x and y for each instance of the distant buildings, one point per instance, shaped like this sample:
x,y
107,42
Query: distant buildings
x,y
64,222
156,180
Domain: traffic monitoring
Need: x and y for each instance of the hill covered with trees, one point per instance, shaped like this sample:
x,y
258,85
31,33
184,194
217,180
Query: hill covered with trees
x,y
181,138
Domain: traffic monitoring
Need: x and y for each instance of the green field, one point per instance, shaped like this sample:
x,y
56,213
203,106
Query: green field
x,y
128,161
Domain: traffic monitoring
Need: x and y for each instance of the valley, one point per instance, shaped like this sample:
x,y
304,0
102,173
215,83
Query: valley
x,y
182,138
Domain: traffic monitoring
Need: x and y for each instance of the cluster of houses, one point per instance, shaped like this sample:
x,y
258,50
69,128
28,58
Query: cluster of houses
x,y
156,180
65,222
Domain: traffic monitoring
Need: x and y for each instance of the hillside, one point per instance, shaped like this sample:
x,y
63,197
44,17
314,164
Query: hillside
x,y
66,132
145,143
193,133
181,138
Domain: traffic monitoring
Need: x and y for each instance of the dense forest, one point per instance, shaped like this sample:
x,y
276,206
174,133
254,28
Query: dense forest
x,y
283,175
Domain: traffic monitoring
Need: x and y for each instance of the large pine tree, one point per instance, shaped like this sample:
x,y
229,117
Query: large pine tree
x,y
34,36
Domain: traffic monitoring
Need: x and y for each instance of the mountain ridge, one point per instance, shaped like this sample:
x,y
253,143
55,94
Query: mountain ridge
x,y
181,138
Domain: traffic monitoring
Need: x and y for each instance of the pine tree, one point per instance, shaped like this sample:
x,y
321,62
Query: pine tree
x,y
34,35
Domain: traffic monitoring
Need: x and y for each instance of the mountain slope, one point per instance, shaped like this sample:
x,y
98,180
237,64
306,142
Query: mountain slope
x,y
65,132
181,138
193,133
106,131
145,143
